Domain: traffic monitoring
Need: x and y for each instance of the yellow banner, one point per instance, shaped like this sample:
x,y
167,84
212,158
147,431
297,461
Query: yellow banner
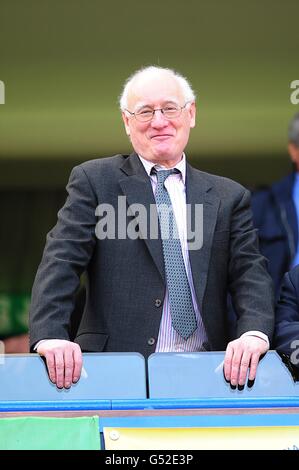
x,y
262,437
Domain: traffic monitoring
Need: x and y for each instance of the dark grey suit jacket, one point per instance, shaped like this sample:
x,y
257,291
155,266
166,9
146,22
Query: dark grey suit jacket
x,y
126,279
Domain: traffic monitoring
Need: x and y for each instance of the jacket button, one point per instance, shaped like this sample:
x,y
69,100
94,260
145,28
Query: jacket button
x,y
158,303
151,341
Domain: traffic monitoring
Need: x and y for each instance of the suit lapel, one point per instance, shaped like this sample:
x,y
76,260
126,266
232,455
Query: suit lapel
x,y
137,188
198,191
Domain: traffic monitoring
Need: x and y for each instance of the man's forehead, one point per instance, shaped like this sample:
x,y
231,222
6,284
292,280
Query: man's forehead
x,y
152,90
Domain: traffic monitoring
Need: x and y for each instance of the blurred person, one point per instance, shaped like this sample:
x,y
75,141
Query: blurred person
x,y
16,344
153,294
276,215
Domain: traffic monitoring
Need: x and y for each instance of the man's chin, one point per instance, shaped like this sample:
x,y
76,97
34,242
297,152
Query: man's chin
x,y
167,160
164,152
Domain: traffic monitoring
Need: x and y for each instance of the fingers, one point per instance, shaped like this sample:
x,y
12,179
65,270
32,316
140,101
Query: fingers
x,y
242,355
59,368
235,366
68,367
228,361
64,361
77,363
50,360
243,369
253,366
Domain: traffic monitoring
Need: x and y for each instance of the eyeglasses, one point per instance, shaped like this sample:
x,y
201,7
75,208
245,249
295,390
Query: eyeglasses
x,y
171,111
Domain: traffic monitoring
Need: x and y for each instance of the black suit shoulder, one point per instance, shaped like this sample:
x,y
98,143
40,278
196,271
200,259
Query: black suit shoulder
x,y
102,164
220,181
100,170
225,188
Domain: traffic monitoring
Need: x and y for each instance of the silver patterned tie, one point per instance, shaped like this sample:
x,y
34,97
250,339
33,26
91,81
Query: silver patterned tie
x,y
181,306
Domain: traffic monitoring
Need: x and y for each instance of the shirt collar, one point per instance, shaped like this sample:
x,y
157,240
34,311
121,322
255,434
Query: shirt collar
x,y
181,166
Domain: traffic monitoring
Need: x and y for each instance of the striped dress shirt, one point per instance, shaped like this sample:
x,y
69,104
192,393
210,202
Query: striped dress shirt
x,y
169,340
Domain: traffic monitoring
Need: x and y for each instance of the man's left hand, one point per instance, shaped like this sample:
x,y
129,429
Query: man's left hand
x,y
241,354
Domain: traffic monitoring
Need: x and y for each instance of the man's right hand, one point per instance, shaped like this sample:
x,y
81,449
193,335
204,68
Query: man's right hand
x,y
64,361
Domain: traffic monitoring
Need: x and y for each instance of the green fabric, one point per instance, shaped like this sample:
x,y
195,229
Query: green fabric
x,y
29,433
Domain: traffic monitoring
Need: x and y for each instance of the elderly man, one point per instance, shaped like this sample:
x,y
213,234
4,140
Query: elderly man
x,y
150,293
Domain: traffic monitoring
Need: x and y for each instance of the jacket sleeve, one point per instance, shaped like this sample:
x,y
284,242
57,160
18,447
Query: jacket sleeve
x,y
250,285
68,249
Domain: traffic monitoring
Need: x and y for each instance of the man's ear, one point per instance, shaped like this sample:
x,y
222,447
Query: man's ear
x,y
126,122
192,113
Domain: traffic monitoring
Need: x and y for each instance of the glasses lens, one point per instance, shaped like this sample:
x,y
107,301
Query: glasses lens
x,y
171,112
144,115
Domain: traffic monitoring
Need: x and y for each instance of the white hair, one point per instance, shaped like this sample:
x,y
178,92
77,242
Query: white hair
x,y
154,71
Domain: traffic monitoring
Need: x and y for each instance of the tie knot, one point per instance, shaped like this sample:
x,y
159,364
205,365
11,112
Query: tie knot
x,y
162,175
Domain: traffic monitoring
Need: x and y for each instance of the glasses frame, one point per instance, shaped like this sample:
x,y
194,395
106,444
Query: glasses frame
x,y
180,109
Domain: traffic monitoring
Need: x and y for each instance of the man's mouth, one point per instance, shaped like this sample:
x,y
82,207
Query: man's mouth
x,y
161,136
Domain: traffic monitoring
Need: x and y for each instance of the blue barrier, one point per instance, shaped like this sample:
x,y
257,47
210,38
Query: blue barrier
x,y
117,381
200,375
105,376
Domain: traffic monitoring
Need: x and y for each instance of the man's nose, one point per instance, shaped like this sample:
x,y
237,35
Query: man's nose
x,y
159,119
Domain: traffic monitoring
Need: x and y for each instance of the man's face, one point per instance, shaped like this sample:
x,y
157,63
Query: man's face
x,y
159,140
